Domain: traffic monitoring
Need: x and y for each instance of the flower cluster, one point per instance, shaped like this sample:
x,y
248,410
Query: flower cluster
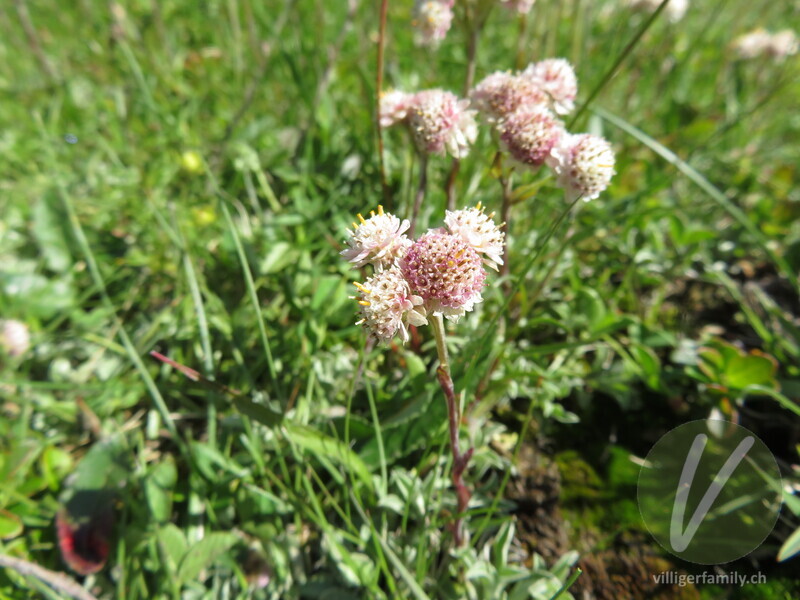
x,y
15,339
530,133
439,121
394,106
441,273
379,240
524,109
432,20
674,10
501,93
761,42
584,165
556,77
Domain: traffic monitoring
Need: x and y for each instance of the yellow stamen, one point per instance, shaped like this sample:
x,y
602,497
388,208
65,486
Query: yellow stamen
x,y
361,288
355,225
360,218
450,263
459,253
491,215
365,303
372,213
478,206
380,209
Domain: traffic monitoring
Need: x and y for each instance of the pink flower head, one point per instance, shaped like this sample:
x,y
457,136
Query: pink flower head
x,y
584,164
446,272
379,240
557,78
394,107
674,10
15,338
441,122
530,134
523,7
479,231
752,44
501,93
432,18
782,45
387,305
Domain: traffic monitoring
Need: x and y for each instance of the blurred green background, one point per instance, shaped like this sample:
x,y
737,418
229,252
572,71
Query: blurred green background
x,y
178,177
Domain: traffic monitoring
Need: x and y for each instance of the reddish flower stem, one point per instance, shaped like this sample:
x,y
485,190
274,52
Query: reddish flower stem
x,y
460,461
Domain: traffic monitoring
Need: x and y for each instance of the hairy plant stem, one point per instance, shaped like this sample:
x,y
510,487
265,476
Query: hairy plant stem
x,y
58,581
420,195
460,460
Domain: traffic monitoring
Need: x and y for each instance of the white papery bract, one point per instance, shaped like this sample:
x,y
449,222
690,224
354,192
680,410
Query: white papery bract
x,y
379,240
387,306
440,123
432,20
394,106
479,231
557,78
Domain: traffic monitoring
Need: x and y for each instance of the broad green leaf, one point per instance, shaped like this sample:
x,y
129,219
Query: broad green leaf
x,y
173,545
355,567
55,464
415,364
590,305
325,296
502,543
105,466
50,234
203,554
158,487
10,525
649,364
751,369
279,256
